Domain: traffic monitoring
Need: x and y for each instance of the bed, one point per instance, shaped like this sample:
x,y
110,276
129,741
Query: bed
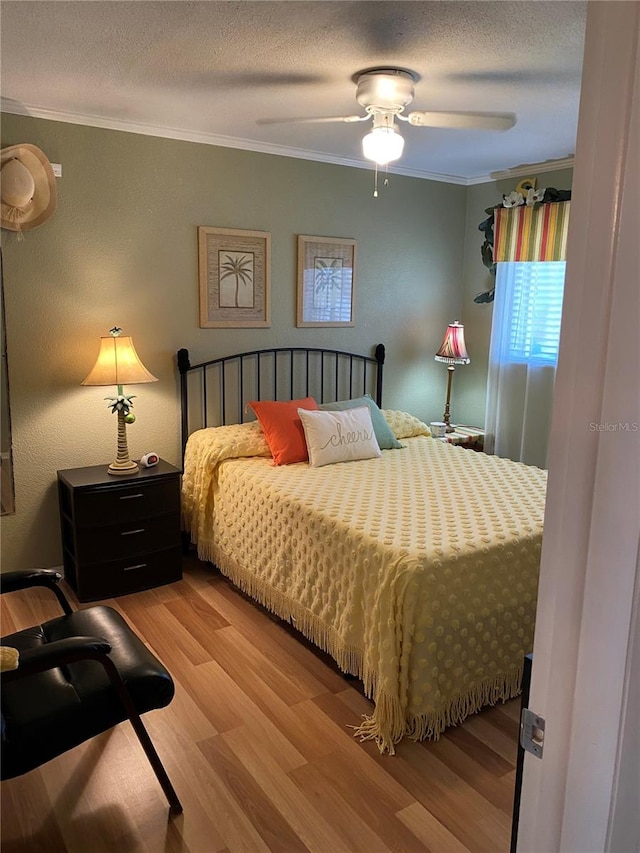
x,y
416,569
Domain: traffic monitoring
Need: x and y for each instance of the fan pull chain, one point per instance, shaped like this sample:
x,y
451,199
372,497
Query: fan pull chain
x,y
385,182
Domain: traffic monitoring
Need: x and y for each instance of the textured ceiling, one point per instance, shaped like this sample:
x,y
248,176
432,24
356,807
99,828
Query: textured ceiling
x,y
209,70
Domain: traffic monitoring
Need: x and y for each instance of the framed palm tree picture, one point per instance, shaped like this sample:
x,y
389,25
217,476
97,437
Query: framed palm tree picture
x,y
326,281
235,272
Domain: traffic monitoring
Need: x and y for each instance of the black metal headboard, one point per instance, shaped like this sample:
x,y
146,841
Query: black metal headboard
x,y
216,392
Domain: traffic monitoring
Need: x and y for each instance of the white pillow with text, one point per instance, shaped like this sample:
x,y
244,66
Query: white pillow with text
x,y
344,436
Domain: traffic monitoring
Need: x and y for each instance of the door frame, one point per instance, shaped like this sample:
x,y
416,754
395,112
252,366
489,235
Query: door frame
x,y
579,797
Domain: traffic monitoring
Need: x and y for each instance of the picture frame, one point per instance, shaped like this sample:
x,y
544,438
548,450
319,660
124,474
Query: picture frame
x,y
326,281
234,270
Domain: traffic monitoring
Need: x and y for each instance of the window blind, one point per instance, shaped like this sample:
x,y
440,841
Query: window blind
x,y
535,310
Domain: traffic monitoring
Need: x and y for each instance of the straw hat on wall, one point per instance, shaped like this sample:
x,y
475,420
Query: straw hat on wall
x,y
27,188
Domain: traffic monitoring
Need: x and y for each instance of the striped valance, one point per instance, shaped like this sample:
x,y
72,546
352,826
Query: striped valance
x,y
531,233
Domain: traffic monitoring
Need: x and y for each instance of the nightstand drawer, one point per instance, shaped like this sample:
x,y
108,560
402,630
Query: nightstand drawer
x,y
135,536
120,534
131,574
106,506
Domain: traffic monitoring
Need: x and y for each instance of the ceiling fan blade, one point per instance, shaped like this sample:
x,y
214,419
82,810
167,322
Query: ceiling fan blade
x,y
311,119
463,121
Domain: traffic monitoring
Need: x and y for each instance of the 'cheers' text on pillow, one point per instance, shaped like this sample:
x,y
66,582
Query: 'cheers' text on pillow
x,y
339,436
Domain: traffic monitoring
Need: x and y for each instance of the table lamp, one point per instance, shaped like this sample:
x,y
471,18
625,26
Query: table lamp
x,y
452,351
118,364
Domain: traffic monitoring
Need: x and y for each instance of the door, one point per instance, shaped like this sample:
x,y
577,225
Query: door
x,y
582,795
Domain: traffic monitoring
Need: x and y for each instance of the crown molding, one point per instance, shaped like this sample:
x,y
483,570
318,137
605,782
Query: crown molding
x,y
213,139
17,108
534,168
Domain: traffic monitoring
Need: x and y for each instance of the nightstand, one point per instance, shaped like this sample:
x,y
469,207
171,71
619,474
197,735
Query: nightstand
x,y
120,534
465,436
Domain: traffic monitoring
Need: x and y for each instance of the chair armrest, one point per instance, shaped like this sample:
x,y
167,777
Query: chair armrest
x,y
14,581
72,650
58,653
67,651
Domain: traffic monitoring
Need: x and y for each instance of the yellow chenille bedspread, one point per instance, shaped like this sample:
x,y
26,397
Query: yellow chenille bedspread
x,y
417,571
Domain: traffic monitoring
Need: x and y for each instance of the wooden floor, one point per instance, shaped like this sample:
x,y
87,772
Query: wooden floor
x,y
258,745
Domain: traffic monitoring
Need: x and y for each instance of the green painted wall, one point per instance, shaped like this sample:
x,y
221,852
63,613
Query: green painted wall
x,y
122,249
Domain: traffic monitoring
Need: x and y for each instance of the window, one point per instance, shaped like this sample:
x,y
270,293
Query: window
x,y
533,314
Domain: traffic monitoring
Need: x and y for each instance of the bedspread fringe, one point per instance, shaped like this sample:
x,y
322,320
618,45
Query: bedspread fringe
x,y
348,658
387,725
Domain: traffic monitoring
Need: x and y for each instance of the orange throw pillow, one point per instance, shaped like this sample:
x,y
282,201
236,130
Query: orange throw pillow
x,y
282,428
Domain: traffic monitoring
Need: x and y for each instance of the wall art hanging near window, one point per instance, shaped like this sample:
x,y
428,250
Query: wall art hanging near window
x,y
326,281
234,269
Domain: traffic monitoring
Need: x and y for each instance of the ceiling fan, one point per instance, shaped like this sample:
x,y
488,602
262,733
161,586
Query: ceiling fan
x,y
384,93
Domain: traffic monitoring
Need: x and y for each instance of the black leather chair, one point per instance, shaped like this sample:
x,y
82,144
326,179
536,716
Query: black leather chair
x,y
78,676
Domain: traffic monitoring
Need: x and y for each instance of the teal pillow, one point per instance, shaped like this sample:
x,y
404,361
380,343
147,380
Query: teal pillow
x,y
384,435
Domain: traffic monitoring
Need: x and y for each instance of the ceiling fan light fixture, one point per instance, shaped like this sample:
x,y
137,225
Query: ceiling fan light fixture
x,y
383,145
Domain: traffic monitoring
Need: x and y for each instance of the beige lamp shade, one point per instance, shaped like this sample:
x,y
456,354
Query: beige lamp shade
x,y
118,364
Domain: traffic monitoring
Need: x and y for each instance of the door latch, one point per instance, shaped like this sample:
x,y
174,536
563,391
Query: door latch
x,y
532,732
